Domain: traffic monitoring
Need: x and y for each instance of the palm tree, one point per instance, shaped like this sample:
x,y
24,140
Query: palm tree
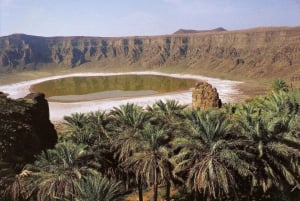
x,y
280,103
90,129
151,161
98,188
212,157
75,121
166,112
8,190
93,130
19,189
87,129
53,174
77,129
98,123
279,85
277,151
169,116
128,123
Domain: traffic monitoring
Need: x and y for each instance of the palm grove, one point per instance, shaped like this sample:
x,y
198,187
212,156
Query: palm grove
x,y
247,151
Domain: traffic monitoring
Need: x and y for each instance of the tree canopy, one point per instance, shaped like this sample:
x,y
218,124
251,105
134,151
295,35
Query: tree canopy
x,y
242,151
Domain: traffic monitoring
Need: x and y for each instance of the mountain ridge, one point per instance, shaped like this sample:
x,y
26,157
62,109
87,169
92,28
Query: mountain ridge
x,y
256,52
191,31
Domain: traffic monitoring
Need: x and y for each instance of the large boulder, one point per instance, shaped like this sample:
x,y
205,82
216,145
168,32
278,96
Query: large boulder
x,y
25,128
205,96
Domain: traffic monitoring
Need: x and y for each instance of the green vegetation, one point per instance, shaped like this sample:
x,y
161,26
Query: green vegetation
x,y
279,85
246,151
86,85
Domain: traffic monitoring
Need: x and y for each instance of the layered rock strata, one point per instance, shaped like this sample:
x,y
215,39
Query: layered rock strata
x,y
259,52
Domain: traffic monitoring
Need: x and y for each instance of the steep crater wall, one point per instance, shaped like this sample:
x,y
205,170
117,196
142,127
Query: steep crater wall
x,y
254,52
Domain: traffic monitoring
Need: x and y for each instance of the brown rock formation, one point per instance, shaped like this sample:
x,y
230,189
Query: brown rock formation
x,y
25,128
260,52
205,96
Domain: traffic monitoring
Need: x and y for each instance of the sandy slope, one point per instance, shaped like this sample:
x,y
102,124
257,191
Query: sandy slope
x,y
227,90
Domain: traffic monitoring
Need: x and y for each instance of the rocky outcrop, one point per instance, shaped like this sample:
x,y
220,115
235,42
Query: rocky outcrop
x,y
25,128
259,52
205,96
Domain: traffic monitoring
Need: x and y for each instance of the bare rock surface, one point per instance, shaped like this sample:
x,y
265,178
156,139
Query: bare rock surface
x,y
205,96
25,127
253,53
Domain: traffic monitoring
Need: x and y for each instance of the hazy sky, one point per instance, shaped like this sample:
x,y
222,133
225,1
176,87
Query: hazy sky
x,y
140,17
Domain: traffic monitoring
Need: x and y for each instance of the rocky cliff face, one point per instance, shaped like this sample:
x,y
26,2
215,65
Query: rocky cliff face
x,y
25,128
254,52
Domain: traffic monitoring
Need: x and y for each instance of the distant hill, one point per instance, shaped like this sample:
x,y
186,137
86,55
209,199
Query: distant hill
x,y
259,52
191,31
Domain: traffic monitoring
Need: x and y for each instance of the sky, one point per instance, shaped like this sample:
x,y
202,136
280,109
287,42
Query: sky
x,y
112,18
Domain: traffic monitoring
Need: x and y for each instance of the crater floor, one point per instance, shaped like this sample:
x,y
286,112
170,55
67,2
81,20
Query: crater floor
x,y
227,89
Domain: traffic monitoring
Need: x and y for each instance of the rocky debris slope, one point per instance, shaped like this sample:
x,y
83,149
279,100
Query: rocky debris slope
x,y
205,96
259,52
25,128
